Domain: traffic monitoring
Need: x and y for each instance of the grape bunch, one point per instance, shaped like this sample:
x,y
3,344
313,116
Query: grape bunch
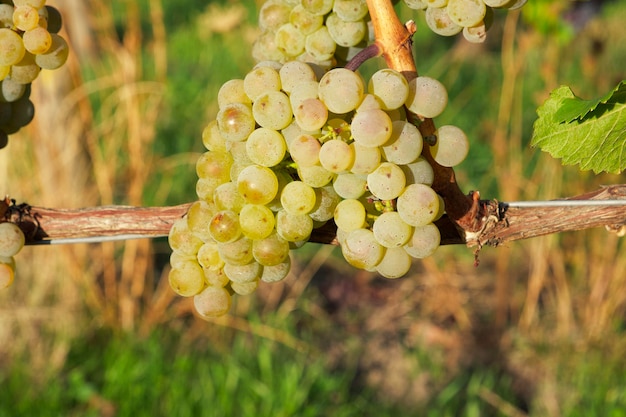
x,y
11,242
316,31
293,147
29,42
471,17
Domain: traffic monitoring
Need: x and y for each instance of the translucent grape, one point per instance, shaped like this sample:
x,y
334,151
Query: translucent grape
x,y
244,288
37,40
232,91
238,252
6,15
326,201
273,250
209,257
261,80
305,150
318,7
418,204
349,185
7,271
362,250
298,198
212,302
216,277
316,175
341,90
320,44
390,230
56,55
272,110
257,184
405,144
387,181
345,33
182,240
303,91
293,227
466,12
273,14
25,18
336,156
305,21
396,263
438,21
427,97
25,71
256,221
475,34
419,171
350,215
350,10
187,279
11,47
424,242
212,139
264,48
390,87
243,273
214,165
235,122
266,147
311,114
275,273
366,159
290,40
224,226
371,128
199,217
11,239
293,73
452,146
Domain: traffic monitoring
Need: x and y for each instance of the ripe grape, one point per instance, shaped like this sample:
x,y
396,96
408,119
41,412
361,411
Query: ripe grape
x,y
395,263
11,239
7,271
387,181
213,301
427,97
390,87
452,146
418,204
187,279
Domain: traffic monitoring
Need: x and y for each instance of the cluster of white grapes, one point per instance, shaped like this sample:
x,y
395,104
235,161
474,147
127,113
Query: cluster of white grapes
x,y
293,147
11,242
471,17
310,30
29,41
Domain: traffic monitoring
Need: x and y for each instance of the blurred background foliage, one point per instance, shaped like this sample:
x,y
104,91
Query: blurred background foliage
x,y
537,329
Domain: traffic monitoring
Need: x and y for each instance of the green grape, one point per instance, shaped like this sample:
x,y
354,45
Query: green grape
x,y
341,90
293,227
366,159
350,10
243,273
305,21
346,33
326,200
369,102
266,147
182,240
261,80
11,90
315,175
438,21
371,128
7,271
350,215
6,15
265,48
272,110
475,34
437,3
212,139
199,218
424,242
311,114
289,40
11,47
56,55
320,45
244,288
273,14
11,239
387,181
336,156
25,18
37,41
427,97
25,71
350,186
419,172
293,73
226,197
214,165
298,198
390,87
418,204
452,146
235,122
271,251
303,91
361,249
466,12
232,91
416,4
405,144
275,273
256,221
205,188
187,279
209,257
239,152
305,150
216,277
390,230
257,184
224,226
212,302
178,258
395,263
318,7
238,252
54,20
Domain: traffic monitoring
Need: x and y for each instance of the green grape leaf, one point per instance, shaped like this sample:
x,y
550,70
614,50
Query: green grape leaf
x,y
591,133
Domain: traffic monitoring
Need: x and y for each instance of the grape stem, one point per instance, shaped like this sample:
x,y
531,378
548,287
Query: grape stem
x,y
395,41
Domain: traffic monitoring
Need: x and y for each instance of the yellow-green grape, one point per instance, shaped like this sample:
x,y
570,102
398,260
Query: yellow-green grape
x,y
257,184
270,251
212,139
244,288
214,166
305,150
216,277
405,144
266,49
56,55
273,14
213,301
235,121
438,21
232,91
366,159
11,239
419,172
311,114
349,185
25,18
266,147
298,198
289,40
37,4
305,21
424,242
418,205
243,273
350,215
209,257
361,249
7,271
37,40
11,90
238,252
427,97
199,218
182,240
278,272
390,87
390,230
320,44
272,110
371,128
11,47
187,279
326,200
303,91
350,10
396,263
6,15
261,80
336,156
224,226
416,4
318,7
315,175
387,181
452,146
4,71
25,71
466,12
346,33
341,90
227,197
293,227
293,73
256,221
